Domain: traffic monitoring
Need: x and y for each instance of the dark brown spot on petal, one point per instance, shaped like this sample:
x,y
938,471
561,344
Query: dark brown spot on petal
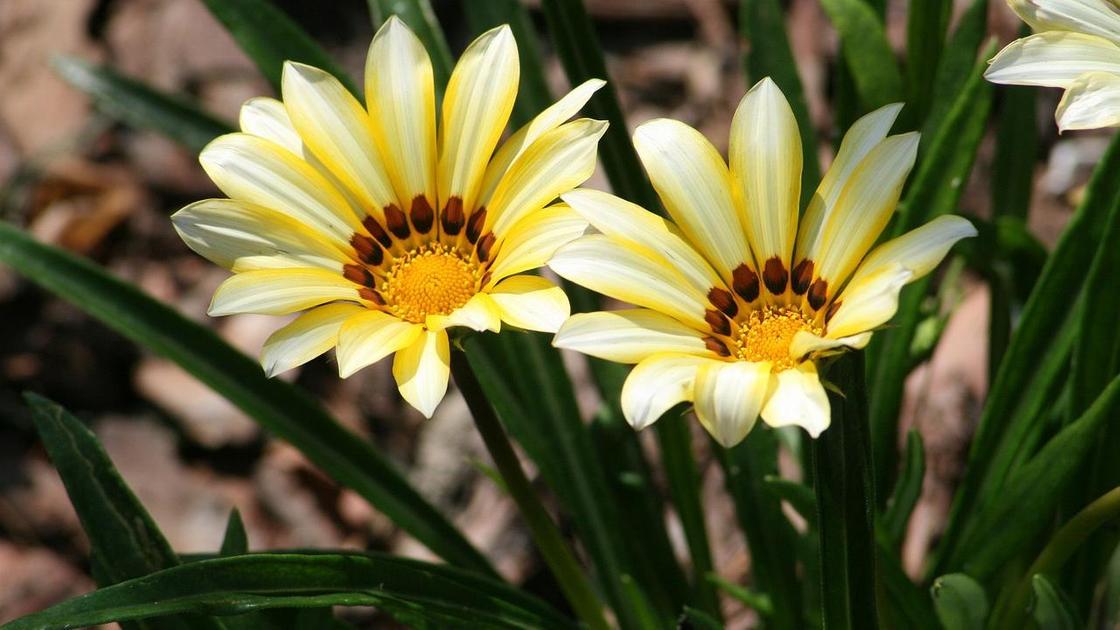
x,y
371,296
396,221
453,217
745,282
717,321
422,214
802,276
358,275
775,276
717,346
485,279
832,308
475,225
377,232
818,293
367,249
723,300
484,246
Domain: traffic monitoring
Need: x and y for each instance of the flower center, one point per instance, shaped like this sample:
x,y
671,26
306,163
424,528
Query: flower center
x,y
766,334
433,280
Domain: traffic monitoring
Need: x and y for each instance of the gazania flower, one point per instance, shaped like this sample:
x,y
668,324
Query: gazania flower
x,y
736,299
384,228
1076,47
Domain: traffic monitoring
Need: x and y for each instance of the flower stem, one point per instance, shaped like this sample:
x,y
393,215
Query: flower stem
x,y
845,504
544,532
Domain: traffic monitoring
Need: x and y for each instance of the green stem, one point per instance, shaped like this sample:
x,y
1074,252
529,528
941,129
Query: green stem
x,y
845,504
1057,551
544,532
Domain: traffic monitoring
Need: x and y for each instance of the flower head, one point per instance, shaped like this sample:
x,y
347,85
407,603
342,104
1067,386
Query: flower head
x,y
1076,47
384,227
738,298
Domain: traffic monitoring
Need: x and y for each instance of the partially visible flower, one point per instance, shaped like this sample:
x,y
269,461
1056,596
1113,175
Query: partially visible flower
x,y
384,228
1076,47
736,299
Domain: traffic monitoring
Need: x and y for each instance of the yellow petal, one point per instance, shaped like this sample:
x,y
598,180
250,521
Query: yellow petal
x,y
239,235
1053,59
541,124
728,397
531,303
477,104
766,159
798,398
422,370
479,313
400,96
266,118
1093,101
919,250
1092,17
370,336
657,384
631,274
535,238
805,343
869,303
306,337
280,291
628,336
626,222
252,169
333,125
557,162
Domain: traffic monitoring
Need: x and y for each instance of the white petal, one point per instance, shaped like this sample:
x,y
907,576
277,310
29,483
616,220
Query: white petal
x,y
919,250
368,337
657,384
422,371
728,397
535,238
531,303
266,117
1053,59
280,291
306,337
869,303
1092,17
805,343
628,336
1093,101
695,185
798,398
479,313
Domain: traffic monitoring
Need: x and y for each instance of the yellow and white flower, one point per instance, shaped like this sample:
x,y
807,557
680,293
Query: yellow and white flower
x,y
1076,47
385,228
735,299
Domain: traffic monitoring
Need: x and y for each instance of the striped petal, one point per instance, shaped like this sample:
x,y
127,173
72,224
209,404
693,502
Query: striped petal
x,y
1053,59
626,222
531,303
266,118
535,238
869,303
1092,17
368,337
797,398
252,169
333,125
765,155
805,343
1092,101
557,162
422,370
306,337
400,96
241,236
542,123
280,291
479,313
728,397
655,385
919,250
695,185
476,107
631,274
629,336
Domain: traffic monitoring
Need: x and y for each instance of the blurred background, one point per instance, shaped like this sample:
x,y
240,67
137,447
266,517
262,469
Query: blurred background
x,y
74,178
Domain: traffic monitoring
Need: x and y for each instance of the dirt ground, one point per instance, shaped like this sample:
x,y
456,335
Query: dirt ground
x,y
76,179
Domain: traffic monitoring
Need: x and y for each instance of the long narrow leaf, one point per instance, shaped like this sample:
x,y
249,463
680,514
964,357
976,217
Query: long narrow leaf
x,y
867,52
926,24
907,491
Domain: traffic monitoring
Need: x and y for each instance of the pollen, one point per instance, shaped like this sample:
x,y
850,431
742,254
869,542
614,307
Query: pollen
x,y
433,280
766,334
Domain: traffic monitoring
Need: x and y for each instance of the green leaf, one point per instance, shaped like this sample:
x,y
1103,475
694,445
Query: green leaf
x,y
867,52
1052,608
926,24
799,496
960,602
957,63
700,620
1016,151
235,541
419,17
139,105
762,24
276,405
902,603
907,491
758,602
415,593
269,37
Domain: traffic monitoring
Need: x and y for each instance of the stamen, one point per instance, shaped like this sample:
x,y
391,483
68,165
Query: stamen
x,y
433,280
766,335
